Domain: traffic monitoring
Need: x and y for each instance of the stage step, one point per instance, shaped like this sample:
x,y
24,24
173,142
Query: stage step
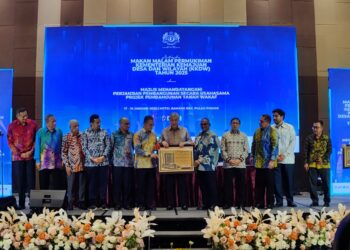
x,y
193,248
178,233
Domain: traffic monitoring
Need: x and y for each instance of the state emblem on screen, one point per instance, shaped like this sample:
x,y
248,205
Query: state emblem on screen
x,y
171,38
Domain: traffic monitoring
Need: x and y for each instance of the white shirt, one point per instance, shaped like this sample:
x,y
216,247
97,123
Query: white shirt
x,y
286,142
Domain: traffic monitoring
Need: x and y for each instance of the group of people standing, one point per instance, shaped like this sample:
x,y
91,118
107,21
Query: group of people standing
x,y
82,159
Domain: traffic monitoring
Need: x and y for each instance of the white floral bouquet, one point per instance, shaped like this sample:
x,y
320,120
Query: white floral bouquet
x,y
264,230
55,230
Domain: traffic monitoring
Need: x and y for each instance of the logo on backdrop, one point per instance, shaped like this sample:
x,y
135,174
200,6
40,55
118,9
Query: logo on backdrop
x,y
171,38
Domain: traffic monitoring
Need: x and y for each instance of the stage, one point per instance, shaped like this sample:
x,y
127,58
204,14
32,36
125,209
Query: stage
x,y
176,228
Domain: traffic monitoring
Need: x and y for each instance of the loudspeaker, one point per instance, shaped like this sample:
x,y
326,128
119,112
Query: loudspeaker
x,y
6,202
47,198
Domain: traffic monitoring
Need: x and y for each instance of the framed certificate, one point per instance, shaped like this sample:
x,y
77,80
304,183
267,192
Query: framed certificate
x,y
175,160
346,156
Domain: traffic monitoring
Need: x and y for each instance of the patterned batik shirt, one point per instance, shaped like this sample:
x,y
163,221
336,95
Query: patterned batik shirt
x,y
234,145
173,136
265,147
72,152
122,149
96,144
206,150
315,149
144,143
48,148
21,139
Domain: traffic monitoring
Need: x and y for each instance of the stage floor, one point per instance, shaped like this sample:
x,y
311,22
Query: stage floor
x,y
303,201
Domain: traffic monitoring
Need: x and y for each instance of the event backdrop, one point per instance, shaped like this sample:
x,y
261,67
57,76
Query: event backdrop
x,y
6,76
339,103
218,72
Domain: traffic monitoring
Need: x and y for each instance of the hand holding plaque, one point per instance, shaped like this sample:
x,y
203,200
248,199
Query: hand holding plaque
x,y
176,160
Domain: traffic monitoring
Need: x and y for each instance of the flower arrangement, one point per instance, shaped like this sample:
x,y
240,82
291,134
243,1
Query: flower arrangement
x,y
55,230
264,230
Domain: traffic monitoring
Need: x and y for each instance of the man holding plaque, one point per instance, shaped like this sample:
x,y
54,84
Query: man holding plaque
x,y
176,135
145,141
206,153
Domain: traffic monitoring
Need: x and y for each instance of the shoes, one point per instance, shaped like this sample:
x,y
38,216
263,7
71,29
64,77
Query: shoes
x,y
82,206
326,204
92,207
314,204
128,208
226,207
169,208
238,207
151,208
70,207
117,207
279,204
104,206
292,205
20,207
184,207
142,208
270,206
260,206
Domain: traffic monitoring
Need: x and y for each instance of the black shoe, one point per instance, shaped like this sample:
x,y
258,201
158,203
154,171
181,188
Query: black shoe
x,y
104,206
151,208
270,206
81,206
184,207
260,206
226,207
238,207
292,205
279,204
20,207
326,204
92,207
314,204
128,208
117,207
169,208
70,207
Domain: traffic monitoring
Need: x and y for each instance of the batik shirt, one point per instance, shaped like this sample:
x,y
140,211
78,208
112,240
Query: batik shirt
x,y
173,136
206,150
317,148
122,149
96,144
144,143
234,146
21,139
265,147
72,152
48,148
